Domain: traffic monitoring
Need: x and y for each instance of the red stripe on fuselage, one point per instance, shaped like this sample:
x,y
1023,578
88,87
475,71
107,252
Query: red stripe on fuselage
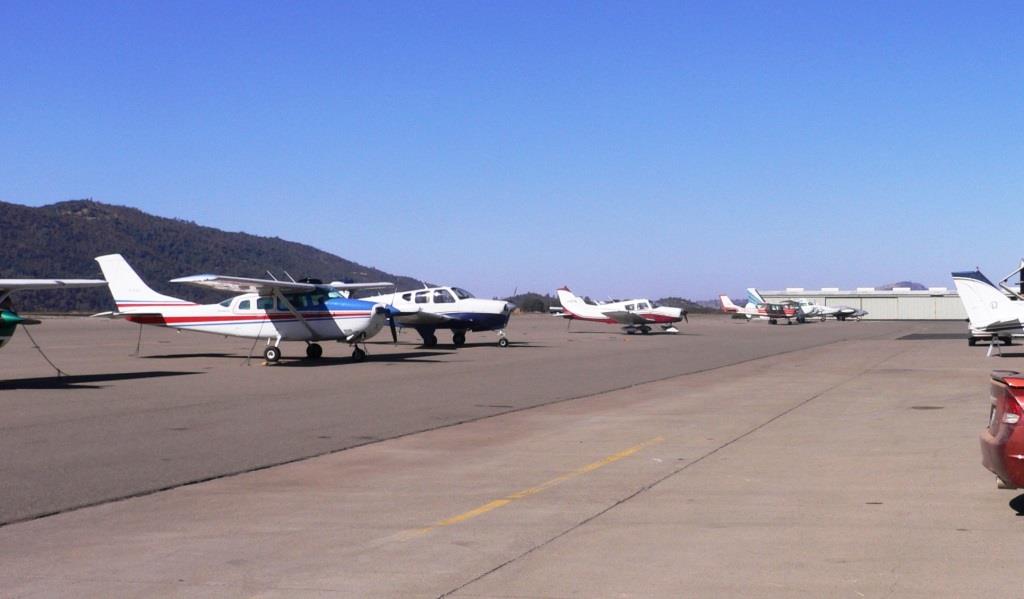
x,y
173,320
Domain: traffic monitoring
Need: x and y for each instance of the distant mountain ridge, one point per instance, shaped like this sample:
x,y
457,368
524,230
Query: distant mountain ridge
x,y
61,240
912,285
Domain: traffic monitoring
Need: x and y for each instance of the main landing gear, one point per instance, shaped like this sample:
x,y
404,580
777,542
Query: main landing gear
x,y
314,351
459,338
643,329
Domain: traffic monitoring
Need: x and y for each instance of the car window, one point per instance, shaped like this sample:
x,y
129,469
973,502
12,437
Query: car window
x,y
443,296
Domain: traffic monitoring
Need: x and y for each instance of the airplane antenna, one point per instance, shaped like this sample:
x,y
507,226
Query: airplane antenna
x,y
289,276
271,275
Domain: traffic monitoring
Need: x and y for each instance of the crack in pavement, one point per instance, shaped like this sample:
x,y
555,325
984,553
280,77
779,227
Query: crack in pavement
x,y
677,471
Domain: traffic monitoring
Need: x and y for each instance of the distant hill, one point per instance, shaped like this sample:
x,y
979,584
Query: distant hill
x,y
61,240
688,305
903,284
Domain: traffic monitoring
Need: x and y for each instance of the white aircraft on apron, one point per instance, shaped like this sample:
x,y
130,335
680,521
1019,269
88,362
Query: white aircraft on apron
x,y
307,311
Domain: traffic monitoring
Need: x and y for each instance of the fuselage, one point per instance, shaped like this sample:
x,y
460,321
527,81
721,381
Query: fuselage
x,y
321,315
459,309
651,312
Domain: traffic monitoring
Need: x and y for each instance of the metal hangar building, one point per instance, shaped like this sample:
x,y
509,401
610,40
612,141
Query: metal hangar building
x,y
900,303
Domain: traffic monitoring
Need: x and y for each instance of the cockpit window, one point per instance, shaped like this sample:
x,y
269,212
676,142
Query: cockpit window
x,y
407,297
630,306
642,306
226,303
462,293
422,297
244,304
442,296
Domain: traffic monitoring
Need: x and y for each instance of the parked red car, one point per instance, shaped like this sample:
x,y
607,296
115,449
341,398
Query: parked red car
x,y
1002,443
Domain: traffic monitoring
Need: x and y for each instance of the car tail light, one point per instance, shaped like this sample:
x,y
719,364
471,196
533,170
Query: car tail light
x,y
1013,402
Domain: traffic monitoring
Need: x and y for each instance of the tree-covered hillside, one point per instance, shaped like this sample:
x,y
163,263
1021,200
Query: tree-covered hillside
x,y
61,240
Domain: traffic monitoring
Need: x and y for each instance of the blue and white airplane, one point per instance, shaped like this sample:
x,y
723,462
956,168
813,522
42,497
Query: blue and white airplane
x,y
307,311
453,308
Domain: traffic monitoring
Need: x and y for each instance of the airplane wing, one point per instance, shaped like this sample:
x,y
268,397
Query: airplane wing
x,y
1003,325
356,286
8,285
245,284
623,317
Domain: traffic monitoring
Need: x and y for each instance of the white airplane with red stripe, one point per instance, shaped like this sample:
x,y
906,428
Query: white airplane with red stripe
x,y
306,311
635,314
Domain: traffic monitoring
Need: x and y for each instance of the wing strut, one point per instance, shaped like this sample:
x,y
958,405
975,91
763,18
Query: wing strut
x,y
282,299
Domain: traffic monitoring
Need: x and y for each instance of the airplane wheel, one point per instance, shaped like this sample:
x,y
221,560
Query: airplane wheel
x,y
459,339
314,351
503,342
645,331
772,321
630,332
358,355
972,341
430,341
272,354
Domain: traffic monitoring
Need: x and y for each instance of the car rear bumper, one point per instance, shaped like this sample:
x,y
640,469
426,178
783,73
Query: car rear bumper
x,y
1004,457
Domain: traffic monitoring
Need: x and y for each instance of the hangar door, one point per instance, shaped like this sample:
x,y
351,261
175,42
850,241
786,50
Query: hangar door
x,y
916,308
883,308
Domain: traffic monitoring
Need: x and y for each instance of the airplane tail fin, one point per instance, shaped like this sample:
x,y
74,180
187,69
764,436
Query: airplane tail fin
x,y
130,293
987,307
754,297
727,305
567,297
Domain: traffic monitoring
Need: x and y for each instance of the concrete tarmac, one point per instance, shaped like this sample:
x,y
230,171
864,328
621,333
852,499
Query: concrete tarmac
x,y
189,409
841,461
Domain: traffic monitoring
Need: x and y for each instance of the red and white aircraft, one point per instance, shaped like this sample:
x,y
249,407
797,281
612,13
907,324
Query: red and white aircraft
x,y
279,311
634,314
770,312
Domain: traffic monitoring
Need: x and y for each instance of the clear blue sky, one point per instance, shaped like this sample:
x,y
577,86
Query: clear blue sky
x,y
622,148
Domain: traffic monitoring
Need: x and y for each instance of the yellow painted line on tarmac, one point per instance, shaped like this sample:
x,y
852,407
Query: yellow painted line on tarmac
x,y
523,494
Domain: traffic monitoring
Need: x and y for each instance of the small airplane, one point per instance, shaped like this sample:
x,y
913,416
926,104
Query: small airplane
x,y
10,319
810,309
454,308
307,310
635,314
758,308
992,314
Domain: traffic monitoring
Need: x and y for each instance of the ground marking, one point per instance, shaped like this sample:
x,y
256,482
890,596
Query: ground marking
x,y
523,494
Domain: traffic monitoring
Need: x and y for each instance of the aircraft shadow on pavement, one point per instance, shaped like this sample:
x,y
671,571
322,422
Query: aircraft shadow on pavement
x,y
468,345
84,381
651,334
410,357
195,355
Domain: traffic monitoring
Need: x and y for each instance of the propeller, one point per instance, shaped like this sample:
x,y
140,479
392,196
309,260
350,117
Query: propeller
x,y
389,311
